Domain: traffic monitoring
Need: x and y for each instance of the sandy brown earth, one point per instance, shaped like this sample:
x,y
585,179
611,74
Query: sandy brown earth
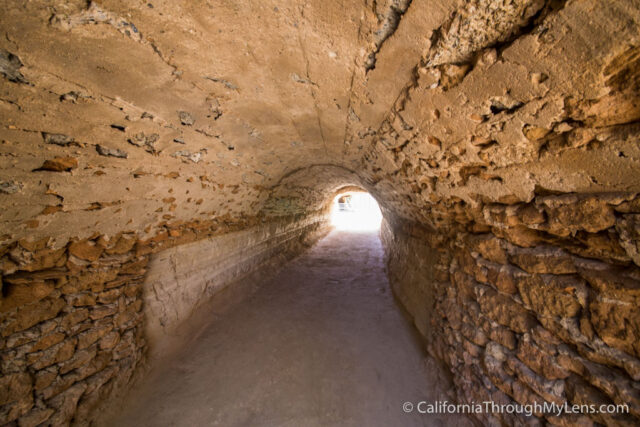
x,y
500,138
321,343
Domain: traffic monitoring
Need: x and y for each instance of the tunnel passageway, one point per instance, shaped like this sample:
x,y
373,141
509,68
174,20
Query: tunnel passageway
x,y
321,343
166,168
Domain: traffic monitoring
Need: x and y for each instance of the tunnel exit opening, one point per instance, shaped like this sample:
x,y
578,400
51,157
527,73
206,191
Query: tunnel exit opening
x,y
355,211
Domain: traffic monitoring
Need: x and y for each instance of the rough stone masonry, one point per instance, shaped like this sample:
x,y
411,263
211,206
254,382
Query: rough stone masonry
x,y
500,137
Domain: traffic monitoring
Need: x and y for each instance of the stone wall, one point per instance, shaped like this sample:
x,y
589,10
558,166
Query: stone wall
x,y
181,278
72,319
70,325
536,303
467,117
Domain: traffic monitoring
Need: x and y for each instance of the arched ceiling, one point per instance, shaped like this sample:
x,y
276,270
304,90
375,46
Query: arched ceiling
x,y
156,111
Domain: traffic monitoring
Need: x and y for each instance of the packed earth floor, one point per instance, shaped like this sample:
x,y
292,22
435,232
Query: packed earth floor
x,y
321,343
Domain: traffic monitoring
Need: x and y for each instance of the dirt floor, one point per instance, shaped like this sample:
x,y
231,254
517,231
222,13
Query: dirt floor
x,y
322,343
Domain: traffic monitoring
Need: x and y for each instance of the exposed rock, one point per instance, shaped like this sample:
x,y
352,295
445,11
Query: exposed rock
x,y
113,152
10,187
70,96
490,248
186,118
94,14
14,387
59,164
148,142
86,250
188,155
500,138
550,295
66,402
543,260
617,323
503,310
570,214
121,128
57,139
48,341
16,295
35,417
32,314
629,229
10,66
539,360
479,25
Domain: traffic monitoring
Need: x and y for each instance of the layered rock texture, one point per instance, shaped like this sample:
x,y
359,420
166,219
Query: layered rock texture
x,y
500,137
540,306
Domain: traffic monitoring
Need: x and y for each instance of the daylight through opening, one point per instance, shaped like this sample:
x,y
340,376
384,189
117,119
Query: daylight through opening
x,y
355,211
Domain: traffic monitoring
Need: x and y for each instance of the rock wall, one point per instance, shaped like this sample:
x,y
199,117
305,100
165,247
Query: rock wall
x,y
130,128
181,278
72,319
70,326
538,303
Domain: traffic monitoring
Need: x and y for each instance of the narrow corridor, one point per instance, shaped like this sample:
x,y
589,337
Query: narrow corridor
x,y
321,343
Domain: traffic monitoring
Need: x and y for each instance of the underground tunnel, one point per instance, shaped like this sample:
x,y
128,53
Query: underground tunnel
x,y
173,174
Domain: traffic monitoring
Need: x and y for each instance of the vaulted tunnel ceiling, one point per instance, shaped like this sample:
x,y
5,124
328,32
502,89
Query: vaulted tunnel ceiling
x,y
153,153
167,111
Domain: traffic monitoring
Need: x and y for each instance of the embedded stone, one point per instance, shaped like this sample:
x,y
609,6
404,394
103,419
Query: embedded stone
x,y
36,259
10,187
86,338
10,65
102,311
617,322
86,250
111,152
550,295
47,341
57,139
32,314
66,403
628,228
81,299
505,311
109,341
14,387
35,417
566,215
490,248
45,377
81,357
543,260
56,354
17,295
539,361
74,317
59,164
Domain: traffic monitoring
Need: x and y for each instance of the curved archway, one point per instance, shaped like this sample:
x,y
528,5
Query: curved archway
x,y
314,191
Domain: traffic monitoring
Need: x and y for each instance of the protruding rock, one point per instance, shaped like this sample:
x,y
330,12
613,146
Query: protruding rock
x,y
10,187
186,118
111,152
146,141
188,155
86,250
59,164
10,66
57,139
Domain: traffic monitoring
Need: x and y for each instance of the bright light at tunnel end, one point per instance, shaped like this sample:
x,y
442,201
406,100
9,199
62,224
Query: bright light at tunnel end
x,y
355,211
